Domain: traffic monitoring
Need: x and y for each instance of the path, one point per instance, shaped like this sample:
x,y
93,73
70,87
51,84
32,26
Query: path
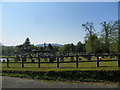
x,y
11,82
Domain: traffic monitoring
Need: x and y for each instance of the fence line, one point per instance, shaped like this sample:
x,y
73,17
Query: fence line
x,y
57,62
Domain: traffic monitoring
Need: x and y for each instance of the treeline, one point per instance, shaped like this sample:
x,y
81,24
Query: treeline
x,y
105,41
8,50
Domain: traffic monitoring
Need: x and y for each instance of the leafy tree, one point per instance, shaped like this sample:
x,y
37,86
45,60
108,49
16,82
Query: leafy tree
x,y
8,50
109,36
97,46
80,47
105,33
116,36
67,47
61,49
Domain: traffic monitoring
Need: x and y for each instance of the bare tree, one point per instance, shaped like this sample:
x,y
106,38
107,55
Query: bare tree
x,y
90,29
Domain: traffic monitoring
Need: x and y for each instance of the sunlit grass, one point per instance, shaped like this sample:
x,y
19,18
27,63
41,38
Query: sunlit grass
x,y
112,65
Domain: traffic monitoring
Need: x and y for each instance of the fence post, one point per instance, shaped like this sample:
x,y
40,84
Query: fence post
x,y
118,60
8,62
23,58
38,62
57,62
77,61
97,61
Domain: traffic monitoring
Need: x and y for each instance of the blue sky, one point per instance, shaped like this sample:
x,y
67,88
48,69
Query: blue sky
x,y
52,22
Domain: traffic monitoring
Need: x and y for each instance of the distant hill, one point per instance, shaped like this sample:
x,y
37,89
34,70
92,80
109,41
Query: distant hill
x,y
53,44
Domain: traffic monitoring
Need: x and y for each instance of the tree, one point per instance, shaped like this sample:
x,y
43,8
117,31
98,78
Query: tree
x,y
116,27
72,47
119,36
50,47
8,50
25,48
67,47
119,42
109,36
80,47
61,49
56,48
90,29
89,46
27,41
98,45
106,33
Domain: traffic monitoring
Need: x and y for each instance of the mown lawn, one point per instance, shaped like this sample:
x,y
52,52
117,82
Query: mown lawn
x,y
112,65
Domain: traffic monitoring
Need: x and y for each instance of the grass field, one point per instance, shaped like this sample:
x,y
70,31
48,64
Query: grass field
x,y
112,65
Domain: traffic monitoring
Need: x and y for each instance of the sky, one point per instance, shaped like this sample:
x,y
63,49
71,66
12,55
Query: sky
x,y
52,22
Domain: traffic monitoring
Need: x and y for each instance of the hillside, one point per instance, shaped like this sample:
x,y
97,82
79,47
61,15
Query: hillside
x,y
53,44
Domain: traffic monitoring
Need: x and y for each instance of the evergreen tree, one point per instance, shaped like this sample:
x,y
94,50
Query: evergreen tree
x,y
72,47
50,47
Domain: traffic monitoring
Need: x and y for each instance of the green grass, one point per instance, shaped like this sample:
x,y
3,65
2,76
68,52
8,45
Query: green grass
x,y
112,65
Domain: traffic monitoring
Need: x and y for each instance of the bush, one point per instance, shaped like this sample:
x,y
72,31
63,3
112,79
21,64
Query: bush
x,y
68,75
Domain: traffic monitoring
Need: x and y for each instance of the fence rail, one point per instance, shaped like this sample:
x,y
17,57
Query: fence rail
x,y
58,60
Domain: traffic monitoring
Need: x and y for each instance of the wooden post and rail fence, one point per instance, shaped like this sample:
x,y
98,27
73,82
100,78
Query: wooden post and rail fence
x,y
23,60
